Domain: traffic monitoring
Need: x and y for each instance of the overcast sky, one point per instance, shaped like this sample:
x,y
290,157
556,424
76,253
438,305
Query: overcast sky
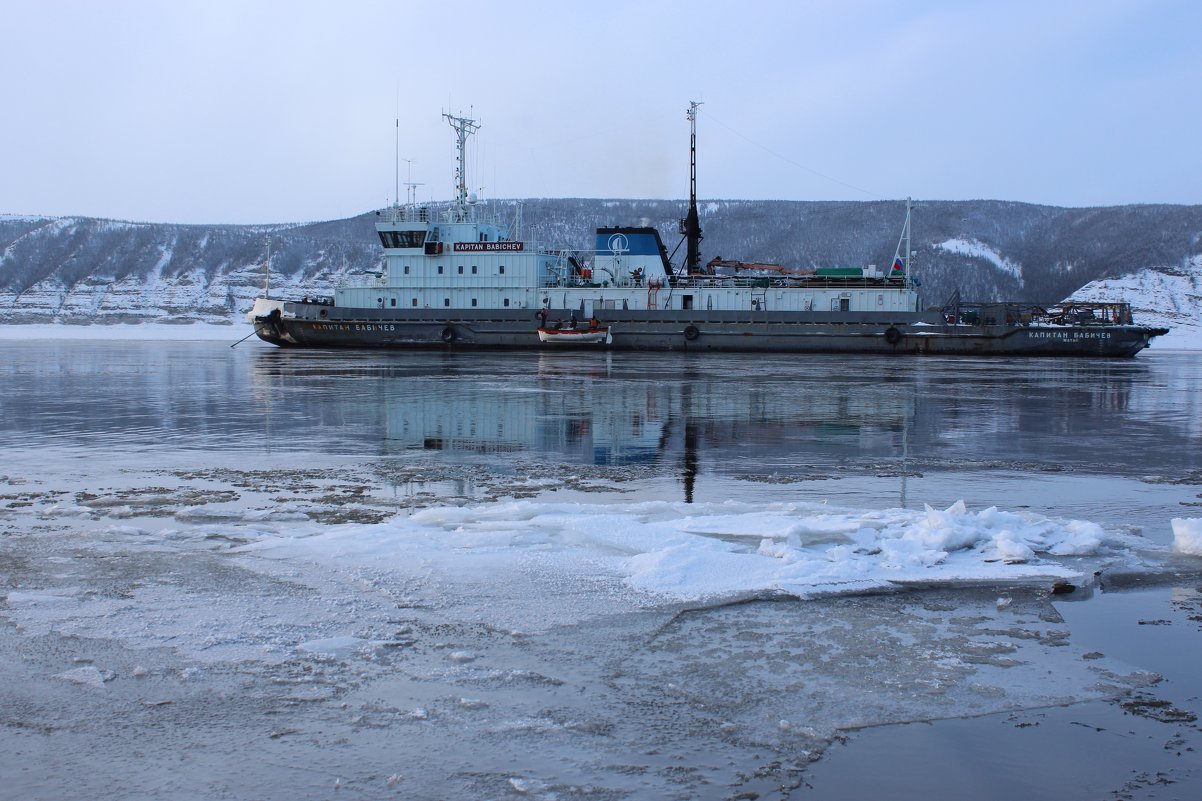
x,y
249,111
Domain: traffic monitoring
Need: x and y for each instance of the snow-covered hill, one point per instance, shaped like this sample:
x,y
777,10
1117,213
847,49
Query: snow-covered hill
x,y
80,270
1166,296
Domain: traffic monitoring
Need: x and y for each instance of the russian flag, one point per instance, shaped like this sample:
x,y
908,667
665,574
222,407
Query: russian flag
x,y
898,265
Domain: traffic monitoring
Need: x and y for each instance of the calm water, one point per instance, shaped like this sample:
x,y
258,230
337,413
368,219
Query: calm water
x,y
136,637
1098,439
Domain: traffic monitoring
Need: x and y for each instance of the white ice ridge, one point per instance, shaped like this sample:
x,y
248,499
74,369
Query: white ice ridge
x,y
1187,535
701,552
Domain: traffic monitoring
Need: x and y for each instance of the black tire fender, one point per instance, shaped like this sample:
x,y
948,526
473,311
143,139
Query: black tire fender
x,y
892,335
448,334
691,332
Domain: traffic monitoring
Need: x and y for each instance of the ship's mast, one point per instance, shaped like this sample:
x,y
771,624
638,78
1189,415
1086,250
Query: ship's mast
x,y
901,258
690,226
464,128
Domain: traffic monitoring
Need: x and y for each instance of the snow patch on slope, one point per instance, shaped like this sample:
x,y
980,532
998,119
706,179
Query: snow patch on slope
x,y
979,250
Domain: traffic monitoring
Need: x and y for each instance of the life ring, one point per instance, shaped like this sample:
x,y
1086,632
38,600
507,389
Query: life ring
x,y
691,333
448,334
892,335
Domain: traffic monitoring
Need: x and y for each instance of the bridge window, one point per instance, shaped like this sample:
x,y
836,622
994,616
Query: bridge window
x,y
440,269
473,269
502,269
446,301
406,269
415,301
473,302
505,302
461,269
402,239
394,301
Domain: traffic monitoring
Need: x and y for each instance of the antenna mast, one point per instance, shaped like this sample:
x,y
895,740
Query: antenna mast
x,y
901,258
464,128
690,226
410,186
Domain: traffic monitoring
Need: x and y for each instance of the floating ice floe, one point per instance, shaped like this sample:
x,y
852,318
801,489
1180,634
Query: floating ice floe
x,y
1187,535
22,598
705,551
88,676
333,646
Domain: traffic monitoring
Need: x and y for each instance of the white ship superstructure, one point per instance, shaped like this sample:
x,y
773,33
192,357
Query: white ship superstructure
x,y
454,259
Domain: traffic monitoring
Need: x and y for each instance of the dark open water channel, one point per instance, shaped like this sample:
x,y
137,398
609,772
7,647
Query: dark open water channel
x,y
134,472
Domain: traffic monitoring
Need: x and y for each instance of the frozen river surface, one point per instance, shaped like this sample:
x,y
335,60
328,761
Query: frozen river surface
x,y
260,574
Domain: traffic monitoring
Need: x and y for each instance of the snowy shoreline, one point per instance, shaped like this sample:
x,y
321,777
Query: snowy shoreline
x,y
182,332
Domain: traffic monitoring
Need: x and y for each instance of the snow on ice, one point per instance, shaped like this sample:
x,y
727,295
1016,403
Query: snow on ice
x,y
536,626
707,552
1187,535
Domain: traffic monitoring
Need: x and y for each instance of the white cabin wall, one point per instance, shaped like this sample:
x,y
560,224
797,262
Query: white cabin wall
x,y
413,280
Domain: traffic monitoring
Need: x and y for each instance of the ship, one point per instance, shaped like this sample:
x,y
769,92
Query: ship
x,y
455,279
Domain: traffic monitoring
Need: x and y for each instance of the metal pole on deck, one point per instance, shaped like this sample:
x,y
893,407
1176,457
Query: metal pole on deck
x,y
691,224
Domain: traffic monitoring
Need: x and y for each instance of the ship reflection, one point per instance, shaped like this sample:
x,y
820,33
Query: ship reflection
x,y
689,416
680,418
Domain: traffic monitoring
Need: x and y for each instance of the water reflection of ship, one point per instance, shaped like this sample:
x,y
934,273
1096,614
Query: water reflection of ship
x,y
688,417
593,414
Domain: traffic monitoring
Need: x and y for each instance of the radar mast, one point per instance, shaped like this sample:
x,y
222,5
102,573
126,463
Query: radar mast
x,y
464,127
690,226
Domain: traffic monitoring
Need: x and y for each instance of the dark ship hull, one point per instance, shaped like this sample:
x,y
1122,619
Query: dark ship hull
x,y
315,325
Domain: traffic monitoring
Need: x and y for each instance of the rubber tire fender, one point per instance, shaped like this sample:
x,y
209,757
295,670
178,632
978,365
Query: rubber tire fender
x,y
691,332
892,335
448,335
